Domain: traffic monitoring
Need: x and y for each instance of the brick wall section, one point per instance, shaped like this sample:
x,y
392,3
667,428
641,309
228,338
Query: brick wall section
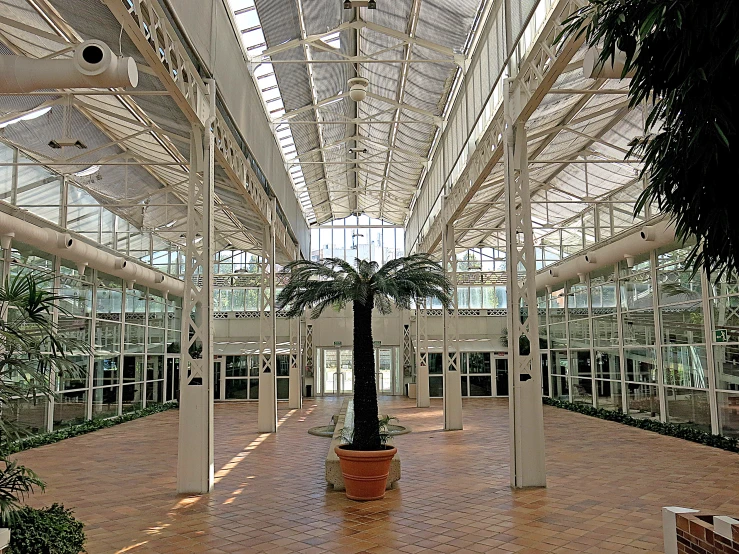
x,y
696,536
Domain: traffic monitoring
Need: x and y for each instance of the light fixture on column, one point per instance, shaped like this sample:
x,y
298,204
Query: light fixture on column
x,y
371,5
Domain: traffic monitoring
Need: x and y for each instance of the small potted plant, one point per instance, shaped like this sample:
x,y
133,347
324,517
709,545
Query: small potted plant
x,y
336,282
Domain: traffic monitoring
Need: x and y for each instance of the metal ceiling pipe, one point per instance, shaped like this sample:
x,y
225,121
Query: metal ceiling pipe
x,y
639,242
592,68
93,66
83,254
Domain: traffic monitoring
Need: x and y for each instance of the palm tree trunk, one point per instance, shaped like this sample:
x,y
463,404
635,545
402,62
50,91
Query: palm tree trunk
x,y
366,426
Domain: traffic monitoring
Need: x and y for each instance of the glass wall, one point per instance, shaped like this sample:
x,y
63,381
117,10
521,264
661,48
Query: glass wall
x,y
652,339
126,328
358,237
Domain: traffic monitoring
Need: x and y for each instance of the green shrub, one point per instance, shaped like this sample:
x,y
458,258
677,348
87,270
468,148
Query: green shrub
x,y
670,429
52,530
88,426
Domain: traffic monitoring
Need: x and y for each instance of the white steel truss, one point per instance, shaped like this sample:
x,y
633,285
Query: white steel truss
x,y
422,354
451,356
526,418
195,472
267,416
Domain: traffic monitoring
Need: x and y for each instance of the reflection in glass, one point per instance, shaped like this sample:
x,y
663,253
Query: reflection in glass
x,y
688,407
728,414
104,402
70,409
685,366
608,395
643,401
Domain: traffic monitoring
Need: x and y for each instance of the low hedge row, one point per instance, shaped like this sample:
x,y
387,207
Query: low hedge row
x,y
80,429
670,429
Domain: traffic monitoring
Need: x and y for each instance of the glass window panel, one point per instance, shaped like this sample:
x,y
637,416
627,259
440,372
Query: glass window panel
x,y
133,369
603,298
283,388
105,371
237,389
726,359
7,155
253,389
558,335
154,368
605,330
725,313
560,387
579,333
688,407
76,328
577,300
107,337
607,364
685,366
132,397
135,338
728,414
104,402
39,191
435,365
475,298
608,395
683,323
638,327
479,362
582,390
560,364
636,291
480,385
76,378
28,417
436,387
154,392
283,365
580,363
642,400
641,365
70,409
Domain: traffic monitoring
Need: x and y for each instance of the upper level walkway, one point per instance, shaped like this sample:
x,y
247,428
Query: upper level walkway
x,y
607,483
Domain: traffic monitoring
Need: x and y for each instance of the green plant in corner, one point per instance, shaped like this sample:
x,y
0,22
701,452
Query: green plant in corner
x,y
16,483
52,530
685,60
32,347
335,282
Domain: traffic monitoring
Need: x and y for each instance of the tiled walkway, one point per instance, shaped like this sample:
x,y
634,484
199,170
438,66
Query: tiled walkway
x,y
607,483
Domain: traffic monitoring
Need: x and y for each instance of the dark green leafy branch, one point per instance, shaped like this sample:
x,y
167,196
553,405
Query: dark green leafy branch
x,y
81,429
684,55
669,429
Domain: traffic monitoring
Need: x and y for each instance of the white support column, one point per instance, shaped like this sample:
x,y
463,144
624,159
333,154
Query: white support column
x,y
195,446
451,357
524,376
407,355
309,357
295,399
267,414
422,356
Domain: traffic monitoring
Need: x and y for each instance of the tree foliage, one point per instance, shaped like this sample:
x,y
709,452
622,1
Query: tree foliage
x,y
685,59
335,282
32,348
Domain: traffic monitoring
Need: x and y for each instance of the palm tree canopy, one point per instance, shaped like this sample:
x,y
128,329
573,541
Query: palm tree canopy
x,y
336,282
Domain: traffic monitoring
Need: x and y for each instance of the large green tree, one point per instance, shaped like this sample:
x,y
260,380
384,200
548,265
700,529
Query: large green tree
x,y
335,282
685,58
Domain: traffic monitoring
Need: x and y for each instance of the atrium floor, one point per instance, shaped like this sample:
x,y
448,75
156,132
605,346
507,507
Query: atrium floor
x,y
606,485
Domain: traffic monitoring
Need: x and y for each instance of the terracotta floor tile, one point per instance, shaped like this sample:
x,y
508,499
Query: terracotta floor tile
x,y
606,486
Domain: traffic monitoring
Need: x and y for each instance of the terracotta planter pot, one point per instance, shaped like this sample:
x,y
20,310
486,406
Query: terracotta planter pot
x,y
365,473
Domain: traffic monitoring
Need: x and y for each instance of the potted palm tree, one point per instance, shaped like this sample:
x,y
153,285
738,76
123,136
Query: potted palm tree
x,y
365,461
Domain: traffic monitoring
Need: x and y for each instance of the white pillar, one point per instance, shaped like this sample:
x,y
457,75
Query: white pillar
x,y
295,399
422,357
195,446
524,375
451,357
267,411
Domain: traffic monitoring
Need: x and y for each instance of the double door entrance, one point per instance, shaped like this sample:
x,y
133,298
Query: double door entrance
x,y
337,371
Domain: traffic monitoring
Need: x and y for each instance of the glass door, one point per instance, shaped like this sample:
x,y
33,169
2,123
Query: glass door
x,y
346,372
501,376
384,370
330,373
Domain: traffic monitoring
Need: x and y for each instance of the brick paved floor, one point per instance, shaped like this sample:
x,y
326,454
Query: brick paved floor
x,y
607,483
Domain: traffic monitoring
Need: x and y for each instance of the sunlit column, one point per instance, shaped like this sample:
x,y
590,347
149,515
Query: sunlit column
x,y
451,356
267,413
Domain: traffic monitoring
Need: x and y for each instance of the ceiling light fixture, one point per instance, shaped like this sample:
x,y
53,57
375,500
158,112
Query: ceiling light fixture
x,y
358,88
27,117
371,5
89,171
347,5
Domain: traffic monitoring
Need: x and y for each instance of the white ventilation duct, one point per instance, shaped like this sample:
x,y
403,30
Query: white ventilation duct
x,y
637,243
83,254
613,68
93,66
